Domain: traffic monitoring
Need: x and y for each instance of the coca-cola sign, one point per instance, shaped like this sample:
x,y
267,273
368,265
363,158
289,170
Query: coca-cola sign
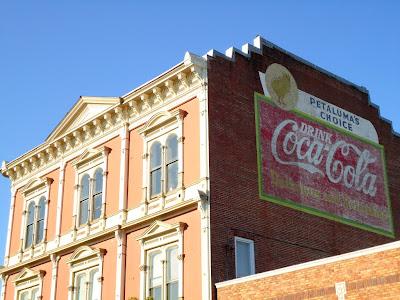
x,y
316,167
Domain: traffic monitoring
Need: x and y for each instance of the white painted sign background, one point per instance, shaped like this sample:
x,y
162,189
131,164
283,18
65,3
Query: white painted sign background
x,y
332,114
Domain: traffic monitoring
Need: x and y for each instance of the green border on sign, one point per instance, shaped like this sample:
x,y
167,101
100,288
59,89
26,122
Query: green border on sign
x,y
288,203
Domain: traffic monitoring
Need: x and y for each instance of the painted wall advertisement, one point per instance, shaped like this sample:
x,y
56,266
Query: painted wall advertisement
x,y
311,165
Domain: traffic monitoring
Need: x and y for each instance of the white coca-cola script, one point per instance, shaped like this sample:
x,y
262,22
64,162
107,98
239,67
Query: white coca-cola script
x,y
312,149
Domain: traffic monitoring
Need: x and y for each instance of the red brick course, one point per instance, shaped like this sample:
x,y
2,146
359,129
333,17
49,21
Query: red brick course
x,y
373,276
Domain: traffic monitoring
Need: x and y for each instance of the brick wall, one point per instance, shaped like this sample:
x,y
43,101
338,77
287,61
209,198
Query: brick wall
x,y
369,276
282,236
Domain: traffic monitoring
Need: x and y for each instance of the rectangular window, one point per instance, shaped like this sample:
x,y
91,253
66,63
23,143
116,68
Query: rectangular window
x,y
244,257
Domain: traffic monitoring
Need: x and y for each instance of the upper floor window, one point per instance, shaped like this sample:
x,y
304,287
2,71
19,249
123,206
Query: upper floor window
x,y
171,162
34,232
91,168
36,193
164,165
91,197
155,169
244,257
163,148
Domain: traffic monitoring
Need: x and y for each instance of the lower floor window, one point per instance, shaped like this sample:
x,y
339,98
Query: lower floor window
x,y
244,257
29,294
87,284
163,273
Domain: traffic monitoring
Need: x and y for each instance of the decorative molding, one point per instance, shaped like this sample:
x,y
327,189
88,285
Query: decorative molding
x,y
71,135
84,253
143,268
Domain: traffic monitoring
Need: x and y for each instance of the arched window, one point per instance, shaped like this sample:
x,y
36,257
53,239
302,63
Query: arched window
x,y
30,221
155,169
97,194
40,220
84,200
172,162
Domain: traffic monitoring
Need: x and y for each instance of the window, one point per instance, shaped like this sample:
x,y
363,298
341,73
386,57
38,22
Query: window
x,y
163,159
28,284
86,274
171,163
91,197
164,168
162,261
155,169
163,277
91,169
244,257
34,233
29,294
87,284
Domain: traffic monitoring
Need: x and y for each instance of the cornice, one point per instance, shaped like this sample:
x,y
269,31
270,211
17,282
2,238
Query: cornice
x,y
186,76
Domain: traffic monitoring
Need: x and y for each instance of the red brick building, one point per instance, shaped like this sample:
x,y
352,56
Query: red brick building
x,y
224,166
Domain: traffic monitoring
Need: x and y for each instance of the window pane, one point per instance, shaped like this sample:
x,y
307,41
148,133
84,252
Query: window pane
x,y
35,294
155,155
172,176
85,187
172,264
98,176
155,177
80,289
83,212
97,201
243,259
24,295
172,148
39,231
172,291
156,270
41,208
31,213
29,236
94,285
156,293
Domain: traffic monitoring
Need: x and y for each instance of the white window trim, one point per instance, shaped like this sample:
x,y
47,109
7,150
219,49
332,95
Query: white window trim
x,y
161,236
252,258
29,279
85,258
88,163
158,128
33,191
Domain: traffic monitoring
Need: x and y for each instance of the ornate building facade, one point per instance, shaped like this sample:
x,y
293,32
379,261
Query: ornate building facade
x,y
172,187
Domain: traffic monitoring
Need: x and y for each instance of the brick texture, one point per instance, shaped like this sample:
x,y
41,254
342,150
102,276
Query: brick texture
x,y
282,236
374,276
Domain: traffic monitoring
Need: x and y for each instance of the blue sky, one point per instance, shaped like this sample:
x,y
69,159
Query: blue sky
x,y
51,52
